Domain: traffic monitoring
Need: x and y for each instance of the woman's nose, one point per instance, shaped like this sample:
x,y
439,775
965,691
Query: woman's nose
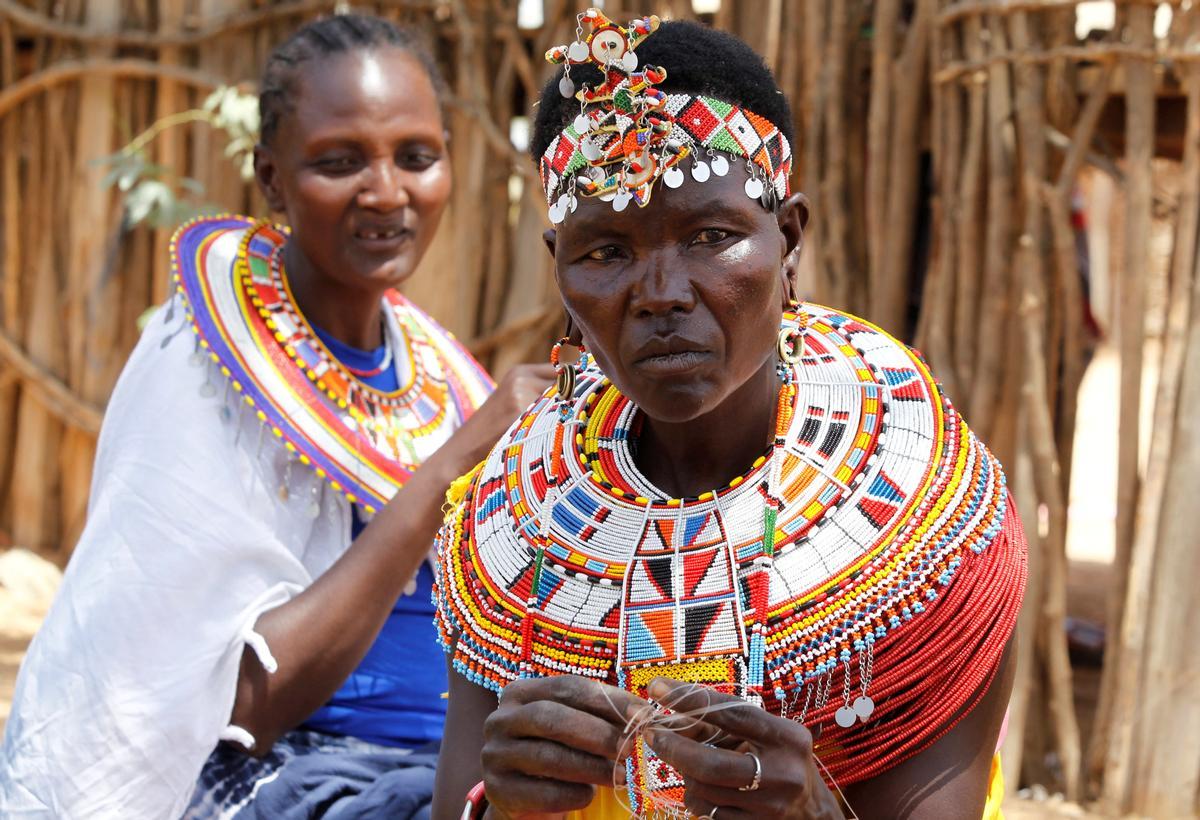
x,y
662,286
384,188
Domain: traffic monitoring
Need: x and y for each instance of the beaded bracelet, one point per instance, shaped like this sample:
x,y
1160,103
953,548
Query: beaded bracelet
x,y
477,803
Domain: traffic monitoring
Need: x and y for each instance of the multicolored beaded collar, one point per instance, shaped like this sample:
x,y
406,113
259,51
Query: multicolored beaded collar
x,y
885,497
364,442
629,134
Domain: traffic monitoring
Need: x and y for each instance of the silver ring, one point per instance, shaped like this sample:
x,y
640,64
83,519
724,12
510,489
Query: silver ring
x,y
712,815
757,781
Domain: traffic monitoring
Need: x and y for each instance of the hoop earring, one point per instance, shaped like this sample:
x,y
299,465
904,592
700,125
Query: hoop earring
x,y
791,345
566,374
791,338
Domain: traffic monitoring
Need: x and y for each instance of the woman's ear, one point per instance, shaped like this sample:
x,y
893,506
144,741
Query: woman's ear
x,y
267,174
572,332
793,218
550,237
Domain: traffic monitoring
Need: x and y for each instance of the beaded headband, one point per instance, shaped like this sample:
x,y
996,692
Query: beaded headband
x,y
629,134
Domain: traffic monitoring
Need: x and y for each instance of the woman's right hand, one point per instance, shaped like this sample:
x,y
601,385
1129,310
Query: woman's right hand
x,y
549,743
520,387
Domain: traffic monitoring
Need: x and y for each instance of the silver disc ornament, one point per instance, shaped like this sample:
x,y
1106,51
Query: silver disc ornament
x,y
577,52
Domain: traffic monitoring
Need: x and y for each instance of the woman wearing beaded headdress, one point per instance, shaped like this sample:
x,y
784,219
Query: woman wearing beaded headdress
x,y
243,576
746,555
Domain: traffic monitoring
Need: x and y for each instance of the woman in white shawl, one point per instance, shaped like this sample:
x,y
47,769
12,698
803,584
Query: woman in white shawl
x,y
227,586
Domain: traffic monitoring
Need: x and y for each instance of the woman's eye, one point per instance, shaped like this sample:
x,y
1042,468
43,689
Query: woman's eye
x,y
336,165
419,160
711,236
604,254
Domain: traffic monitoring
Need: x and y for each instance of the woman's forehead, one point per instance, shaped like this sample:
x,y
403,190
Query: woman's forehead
x,y
339,84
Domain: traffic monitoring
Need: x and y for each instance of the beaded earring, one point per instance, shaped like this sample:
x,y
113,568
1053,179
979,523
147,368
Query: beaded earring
x,y
566,373
564,389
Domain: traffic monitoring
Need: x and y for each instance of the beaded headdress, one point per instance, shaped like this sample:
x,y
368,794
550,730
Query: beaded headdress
x,y
629,134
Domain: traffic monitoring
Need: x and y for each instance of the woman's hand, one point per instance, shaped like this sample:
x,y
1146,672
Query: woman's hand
x,y
785,780
549,743
519,388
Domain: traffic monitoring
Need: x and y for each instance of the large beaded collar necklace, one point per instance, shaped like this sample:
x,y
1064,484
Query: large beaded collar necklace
x,y
562,558
364,442
629,134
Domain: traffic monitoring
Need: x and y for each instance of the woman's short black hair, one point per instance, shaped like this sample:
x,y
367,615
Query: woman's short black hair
x,y
699,60
339,34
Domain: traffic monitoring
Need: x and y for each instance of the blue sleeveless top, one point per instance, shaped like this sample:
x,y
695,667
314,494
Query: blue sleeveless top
x,y
394,696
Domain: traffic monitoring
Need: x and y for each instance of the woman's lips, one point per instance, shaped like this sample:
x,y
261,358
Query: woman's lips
x,y
382,238
673,363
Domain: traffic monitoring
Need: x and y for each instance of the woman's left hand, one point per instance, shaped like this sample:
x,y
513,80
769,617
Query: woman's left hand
x,y
783,783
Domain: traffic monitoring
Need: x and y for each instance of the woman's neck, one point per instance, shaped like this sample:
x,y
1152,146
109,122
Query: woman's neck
x,y
690,458
352,316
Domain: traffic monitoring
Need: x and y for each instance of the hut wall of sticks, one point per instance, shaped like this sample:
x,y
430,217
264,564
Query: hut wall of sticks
x,y
944,145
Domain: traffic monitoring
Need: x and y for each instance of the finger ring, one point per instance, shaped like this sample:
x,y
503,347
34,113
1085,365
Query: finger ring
x,y
712,815
757,781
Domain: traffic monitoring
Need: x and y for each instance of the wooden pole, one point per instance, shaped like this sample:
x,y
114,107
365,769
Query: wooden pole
x,y
93,298
996,310
1166,773
1118,683
1036,404
879,137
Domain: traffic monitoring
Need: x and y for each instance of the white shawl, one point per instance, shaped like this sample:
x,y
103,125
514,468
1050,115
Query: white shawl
x,y
131,681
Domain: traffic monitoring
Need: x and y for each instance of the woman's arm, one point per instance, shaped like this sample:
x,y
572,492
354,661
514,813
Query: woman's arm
x,y
949,780
318,637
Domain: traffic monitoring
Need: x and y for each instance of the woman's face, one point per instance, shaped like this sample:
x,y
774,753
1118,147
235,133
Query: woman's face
x,y
680,301
359,166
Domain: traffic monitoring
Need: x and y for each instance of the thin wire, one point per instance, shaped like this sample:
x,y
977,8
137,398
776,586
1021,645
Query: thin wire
x,y
837,788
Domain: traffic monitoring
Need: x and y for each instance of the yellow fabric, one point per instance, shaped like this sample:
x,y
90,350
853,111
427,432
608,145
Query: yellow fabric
x,y
991,809
604,807
607,807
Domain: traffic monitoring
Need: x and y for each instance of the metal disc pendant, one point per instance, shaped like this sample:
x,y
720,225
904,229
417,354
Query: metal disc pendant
x,y
673,177
863,707
556,213
720,165
226,414
629,61
700,171
208,390
845,717
572,203
566,87
754,188
578,52
621,200
591,152
313,510
196,359
582,124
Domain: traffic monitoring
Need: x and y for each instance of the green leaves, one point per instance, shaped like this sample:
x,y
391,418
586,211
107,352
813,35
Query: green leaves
x,y
160,196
